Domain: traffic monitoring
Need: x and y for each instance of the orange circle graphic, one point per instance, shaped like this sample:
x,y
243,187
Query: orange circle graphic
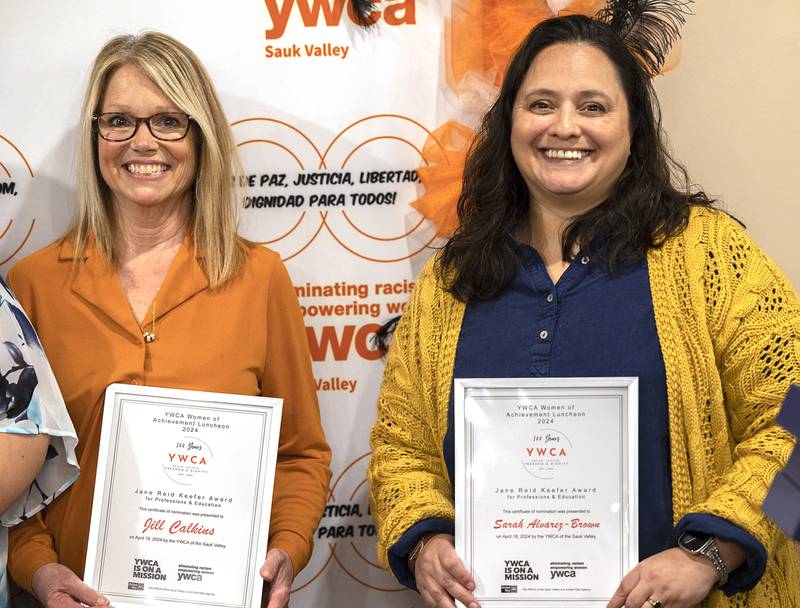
x,y
332,547
324,223
274,143
21,155
347,217
371,259
33,221
285,124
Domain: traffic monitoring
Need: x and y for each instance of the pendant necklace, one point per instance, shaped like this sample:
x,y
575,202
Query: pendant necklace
x,y
150,336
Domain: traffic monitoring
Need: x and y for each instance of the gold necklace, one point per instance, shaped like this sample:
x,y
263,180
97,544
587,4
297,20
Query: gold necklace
x,y
150,336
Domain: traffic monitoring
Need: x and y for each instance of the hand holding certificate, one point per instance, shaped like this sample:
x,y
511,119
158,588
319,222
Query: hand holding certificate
x,y
182,497
440,573
546,510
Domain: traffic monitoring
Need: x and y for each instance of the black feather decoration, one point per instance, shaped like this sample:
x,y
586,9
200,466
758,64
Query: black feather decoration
x,y
648,27
362,11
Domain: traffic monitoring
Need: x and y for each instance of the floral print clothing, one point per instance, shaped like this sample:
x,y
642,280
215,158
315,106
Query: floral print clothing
x,y
30,403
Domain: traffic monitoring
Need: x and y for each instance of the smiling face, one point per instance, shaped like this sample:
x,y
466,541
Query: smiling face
x,y
570,127
144,172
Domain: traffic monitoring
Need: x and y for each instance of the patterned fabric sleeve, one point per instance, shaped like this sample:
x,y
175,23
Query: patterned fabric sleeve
x,y
754,319
407,474
30,403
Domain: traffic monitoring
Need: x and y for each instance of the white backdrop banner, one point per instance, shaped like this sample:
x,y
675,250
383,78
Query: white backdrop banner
x,y
330,121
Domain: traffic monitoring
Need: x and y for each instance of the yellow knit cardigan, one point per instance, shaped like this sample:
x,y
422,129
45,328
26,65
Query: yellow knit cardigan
x,y
729,328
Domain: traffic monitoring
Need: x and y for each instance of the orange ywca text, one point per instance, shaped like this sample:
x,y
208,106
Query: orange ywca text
x,y
393,13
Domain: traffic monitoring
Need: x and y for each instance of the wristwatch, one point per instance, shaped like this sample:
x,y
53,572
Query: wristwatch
x,y
705,545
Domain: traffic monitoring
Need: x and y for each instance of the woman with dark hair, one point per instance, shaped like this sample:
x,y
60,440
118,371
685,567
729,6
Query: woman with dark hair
x,y
582,252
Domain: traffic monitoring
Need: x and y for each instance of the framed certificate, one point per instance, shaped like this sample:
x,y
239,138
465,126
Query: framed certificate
x,y
182,497
546,488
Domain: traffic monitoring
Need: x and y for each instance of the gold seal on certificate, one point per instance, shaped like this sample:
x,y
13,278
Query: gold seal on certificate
x,y
182,497
546,488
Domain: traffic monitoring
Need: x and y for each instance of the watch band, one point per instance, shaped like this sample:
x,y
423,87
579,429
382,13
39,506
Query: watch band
x,y
711,551
708,550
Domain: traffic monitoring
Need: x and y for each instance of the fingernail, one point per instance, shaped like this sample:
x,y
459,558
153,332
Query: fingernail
x,y
474,605
471,587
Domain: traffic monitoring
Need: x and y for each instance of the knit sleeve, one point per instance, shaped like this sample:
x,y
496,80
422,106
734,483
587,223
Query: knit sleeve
x,y
754,320
407,474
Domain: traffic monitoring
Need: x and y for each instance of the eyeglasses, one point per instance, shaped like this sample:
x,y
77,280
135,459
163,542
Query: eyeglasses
x,y
166,126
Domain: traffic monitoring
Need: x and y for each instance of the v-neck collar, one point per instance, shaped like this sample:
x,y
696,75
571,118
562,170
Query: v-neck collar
x,y
97,282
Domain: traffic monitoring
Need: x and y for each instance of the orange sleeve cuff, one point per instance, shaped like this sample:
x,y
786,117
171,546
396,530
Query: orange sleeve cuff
x,y
30,546
297,548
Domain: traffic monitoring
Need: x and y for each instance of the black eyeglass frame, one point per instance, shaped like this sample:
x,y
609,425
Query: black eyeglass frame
x,y
142,119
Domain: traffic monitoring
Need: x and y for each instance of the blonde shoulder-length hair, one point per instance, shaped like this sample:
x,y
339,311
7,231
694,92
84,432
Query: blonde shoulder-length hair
x,y
177,71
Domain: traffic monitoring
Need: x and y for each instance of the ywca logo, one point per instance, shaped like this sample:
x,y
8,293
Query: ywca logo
x,y
177,457
329,13
546,453
187,459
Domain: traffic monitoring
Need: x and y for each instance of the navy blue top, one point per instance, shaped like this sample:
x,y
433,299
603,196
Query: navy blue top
x,y
591,323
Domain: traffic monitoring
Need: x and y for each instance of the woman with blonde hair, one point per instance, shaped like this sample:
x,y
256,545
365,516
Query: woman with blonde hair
x,y
152,285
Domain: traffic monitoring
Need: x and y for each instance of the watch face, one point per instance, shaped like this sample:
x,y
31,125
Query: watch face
x,y
692,541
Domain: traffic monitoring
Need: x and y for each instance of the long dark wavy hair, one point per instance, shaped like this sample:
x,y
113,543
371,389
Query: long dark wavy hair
x,y
649,203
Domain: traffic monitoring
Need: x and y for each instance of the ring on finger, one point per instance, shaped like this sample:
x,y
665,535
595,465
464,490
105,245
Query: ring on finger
x,y
654,603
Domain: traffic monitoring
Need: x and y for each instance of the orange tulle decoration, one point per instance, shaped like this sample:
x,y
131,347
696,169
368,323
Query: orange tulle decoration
x,y
444,153
483,35
480,40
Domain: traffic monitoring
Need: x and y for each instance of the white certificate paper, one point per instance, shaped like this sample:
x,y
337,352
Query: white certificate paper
x,y
546,488
182,497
